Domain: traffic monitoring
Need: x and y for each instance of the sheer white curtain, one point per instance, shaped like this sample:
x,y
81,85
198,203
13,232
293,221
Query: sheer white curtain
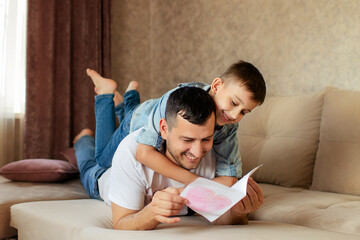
x,y
12,78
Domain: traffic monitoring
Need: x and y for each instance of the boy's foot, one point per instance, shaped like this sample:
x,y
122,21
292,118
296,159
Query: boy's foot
x,y
102,85
133,85
83,132
117,98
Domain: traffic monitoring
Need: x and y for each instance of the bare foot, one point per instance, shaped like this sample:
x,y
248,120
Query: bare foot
x,y
102,85
83,132
117,98
133,85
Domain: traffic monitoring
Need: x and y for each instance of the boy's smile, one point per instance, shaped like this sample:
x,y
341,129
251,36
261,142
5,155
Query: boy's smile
x,y
232,101
225,117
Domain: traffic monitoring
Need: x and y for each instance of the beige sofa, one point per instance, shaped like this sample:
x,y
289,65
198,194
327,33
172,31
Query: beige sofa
x,y
309,147
19,192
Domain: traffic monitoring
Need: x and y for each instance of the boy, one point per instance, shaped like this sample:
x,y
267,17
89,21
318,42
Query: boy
x,y
236,92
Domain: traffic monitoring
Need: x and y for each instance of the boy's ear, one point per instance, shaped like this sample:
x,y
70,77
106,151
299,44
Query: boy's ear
x,y
163,128
216,84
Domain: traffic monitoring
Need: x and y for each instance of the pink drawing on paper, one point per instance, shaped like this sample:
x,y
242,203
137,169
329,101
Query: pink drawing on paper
x,y
205,200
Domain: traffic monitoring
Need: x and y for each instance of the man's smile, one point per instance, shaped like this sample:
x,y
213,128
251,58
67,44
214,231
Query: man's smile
x,y
191,157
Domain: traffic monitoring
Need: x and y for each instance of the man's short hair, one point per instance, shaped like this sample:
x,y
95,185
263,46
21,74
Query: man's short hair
x,y
191,103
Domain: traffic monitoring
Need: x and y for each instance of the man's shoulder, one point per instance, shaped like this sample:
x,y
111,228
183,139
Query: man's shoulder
x,y
128,144
131,137
126,151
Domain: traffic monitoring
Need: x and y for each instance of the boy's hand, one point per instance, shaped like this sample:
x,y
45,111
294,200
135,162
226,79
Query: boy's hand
x,y
166,203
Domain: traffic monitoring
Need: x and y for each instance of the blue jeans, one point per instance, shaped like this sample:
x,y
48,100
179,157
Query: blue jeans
x,y
94,156
107,137
89,170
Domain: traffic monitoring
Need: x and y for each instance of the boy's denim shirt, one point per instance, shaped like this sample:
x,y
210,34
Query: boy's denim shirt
x,y
149,113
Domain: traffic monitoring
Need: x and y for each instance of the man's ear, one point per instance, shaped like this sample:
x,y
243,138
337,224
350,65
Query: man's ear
x,y
216,83
163,128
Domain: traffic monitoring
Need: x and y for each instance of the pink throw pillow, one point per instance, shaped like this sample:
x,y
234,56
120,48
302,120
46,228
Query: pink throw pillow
x,y
39,170
69,155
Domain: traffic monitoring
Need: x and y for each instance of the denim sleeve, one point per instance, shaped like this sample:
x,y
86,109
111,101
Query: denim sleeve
x,y
228,162
150,134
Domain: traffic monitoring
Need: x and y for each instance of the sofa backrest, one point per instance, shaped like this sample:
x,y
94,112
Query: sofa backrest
x,y
283,135
337,166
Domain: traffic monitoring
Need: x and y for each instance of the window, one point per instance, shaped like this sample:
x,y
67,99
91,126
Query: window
x,y
12,55
13,15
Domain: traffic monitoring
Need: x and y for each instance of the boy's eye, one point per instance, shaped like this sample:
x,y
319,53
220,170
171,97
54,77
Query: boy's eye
x,y
233,103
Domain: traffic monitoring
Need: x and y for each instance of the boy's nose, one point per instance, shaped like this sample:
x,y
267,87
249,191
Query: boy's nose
x,y
236,114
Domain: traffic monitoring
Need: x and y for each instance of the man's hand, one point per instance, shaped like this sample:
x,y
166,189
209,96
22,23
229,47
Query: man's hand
x,y
166,203
250,203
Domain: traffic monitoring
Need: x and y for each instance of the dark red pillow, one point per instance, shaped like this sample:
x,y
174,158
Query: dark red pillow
x,y
69,155
39,170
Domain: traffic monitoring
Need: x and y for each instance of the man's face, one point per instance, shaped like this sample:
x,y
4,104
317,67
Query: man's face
x,y
232,101
187,143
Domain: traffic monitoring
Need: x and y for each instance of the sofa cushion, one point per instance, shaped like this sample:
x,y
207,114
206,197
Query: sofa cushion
x,y
91,219
39,170
322,210
18,192
282,134
337,164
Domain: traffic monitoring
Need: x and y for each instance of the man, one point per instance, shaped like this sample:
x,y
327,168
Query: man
x,y
141,198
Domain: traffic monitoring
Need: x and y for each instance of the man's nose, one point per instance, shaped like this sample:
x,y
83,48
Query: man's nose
x,y
196,149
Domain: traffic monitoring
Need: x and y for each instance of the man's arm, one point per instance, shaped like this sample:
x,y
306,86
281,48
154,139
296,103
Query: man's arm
x,y
238,213
164,204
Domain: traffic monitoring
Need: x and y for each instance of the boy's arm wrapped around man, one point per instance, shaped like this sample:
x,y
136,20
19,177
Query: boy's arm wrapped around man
x,y
146,155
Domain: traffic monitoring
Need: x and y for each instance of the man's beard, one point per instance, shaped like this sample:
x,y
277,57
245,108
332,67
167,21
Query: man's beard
x,y
177,160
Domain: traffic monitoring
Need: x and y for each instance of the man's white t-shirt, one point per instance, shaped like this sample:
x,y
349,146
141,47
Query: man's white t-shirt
x,y
131,185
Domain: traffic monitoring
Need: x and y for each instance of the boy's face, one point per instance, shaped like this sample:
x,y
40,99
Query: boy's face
x,y
187,143
232,101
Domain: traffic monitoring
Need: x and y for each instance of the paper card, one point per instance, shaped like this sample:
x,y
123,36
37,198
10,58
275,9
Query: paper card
x,y
211,199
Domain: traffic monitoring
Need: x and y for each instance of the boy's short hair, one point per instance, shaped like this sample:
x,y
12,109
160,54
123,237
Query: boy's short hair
x,y
249,76
191,103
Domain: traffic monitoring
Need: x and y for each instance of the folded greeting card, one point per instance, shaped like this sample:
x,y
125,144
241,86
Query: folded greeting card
x,y
211,199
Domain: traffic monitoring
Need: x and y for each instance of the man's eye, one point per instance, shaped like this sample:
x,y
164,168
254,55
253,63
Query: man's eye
x,y
233,103
187,140
206,140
